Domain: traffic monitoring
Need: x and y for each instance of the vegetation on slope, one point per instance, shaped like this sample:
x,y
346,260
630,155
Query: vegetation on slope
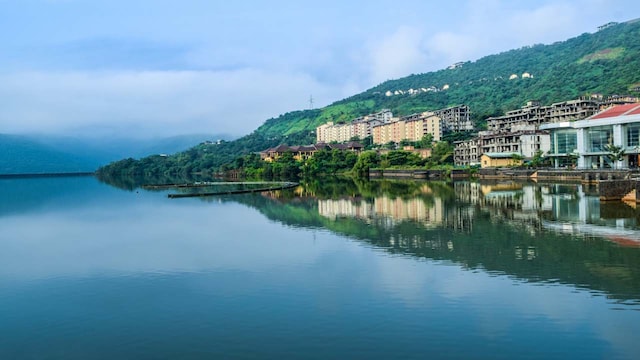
x,y
560,71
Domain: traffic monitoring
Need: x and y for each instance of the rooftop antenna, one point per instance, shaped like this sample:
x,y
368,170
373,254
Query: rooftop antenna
x,y
311,102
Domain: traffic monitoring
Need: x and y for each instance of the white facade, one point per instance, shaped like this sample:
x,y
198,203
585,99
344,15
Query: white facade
x,y
588,140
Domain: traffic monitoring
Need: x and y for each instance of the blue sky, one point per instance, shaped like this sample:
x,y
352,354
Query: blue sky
x,y
164,67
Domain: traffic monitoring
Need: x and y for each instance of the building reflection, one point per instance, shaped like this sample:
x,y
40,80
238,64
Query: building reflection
x,y
538,232
391,209
573,209
578,212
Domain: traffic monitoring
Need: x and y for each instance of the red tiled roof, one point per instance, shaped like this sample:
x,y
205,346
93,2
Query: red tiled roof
x,y
620,110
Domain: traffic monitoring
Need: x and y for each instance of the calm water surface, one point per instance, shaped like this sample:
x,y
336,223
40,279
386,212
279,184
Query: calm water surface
x,y
333,270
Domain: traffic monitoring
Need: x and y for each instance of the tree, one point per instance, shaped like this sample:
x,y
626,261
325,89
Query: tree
x,y
426,142
538,159
516,159
366,161
442,153
572,159
616,154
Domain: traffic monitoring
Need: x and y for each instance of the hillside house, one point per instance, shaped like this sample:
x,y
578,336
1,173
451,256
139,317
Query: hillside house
x,y
303,152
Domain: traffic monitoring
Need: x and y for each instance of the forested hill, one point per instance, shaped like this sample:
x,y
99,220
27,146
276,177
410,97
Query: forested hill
x,y
606,61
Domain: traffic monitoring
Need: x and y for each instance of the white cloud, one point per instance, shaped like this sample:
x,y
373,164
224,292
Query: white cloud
x,y
396,55
451,47
229,67
153,102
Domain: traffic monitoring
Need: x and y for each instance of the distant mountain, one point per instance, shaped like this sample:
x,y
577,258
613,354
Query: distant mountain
x,y
606,62
45,154
20,154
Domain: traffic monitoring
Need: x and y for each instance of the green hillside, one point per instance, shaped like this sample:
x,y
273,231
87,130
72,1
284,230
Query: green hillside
x,y
607,62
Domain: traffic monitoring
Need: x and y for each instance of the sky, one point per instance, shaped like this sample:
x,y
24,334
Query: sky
x,y
149,68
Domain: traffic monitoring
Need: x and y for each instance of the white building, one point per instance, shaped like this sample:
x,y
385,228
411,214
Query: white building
x,y
587,140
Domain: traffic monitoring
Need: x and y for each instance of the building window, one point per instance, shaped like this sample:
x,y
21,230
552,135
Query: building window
x,y
633,135
564,142
598,138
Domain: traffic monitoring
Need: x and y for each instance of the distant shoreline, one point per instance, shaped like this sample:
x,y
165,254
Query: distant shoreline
x,y
44,175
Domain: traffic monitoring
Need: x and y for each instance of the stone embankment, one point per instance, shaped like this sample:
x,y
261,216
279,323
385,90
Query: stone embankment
x,y
613,185
583,176
555,175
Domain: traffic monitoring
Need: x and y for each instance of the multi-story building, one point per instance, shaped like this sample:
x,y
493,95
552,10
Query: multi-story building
x,y
360,127
525,143
527,116
518,131
532,115
412,128
571,110
588,141
468,152
455,118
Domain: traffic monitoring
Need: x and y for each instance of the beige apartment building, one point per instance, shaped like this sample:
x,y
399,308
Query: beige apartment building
x,y
385,128
361,127
412,128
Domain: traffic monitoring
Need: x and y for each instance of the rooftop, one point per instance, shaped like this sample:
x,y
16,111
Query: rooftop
x,y
620,110
495,155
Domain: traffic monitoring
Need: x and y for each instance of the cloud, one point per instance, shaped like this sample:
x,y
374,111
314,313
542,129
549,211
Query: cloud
x,y
152,102
396,55
220,66
451,47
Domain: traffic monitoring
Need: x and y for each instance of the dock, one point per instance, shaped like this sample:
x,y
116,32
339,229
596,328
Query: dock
x,y
269,186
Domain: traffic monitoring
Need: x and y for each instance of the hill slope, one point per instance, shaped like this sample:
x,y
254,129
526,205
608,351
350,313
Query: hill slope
x,y
603,62
22,154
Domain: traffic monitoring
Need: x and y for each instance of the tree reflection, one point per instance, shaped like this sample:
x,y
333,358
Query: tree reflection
x,y
503,228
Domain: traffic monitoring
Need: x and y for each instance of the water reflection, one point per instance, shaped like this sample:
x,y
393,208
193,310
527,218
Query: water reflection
x,y
327,270
537,232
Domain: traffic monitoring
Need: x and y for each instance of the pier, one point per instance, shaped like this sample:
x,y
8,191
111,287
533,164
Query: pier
x,y
267,186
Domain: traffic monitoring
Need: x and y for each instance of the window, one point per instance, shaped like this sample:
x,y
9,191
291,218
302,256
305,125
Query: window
x,y
564,141
598,138
633,135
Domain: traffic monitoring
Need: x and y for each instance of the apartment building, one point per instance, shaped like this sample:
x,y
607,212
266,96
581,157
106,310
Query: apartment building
x,y
467,153
518,130
524,142
361,127
412,128
455,118
532,115
388,128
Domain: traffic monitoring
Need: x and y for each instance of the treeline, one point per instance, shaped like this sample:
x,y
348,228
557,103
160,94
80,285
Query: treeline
x,y
286,166
332,162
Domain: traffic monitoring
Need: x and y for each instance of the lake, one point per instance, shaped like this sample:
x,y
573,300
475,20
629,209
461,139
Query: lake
x,y
331,269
